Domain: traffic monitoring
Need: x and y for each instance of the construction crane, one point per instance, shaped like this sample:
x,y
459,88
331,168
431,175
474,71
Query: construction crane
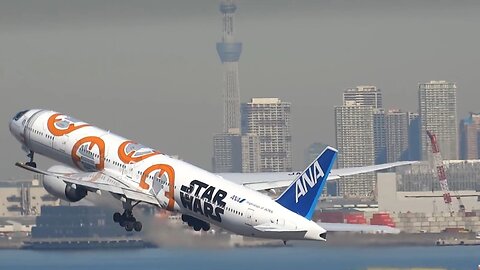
x,y
442,178
441,173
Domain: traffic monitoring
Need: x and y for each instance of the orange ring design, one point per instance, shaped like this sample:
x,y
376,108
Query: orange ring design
x,y
93,141
60,132
128,158
164,168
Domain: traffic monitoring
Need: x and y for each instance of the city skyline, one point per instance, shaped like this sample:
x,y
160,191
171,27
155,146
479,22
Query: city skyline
x,y
147,62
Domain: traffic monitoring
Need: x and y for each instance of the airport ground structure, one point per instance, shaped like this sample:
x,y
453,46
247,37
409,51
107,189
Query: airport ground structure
x,y
398,200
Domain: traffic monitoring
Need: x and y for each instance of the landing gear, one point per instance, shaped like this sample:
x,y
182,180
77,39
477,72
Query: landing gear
x,y
31,163
127,220
195,223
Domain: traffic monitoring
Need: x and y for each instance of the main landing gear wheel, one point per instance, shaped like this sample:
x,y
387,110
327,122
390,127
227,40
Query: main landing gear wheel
x,y
197,224
31,163
137,226
127,220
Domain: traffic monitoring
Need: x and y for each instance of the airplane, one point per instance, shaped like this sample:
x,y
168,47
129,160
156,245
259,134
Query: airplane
x,y
134,173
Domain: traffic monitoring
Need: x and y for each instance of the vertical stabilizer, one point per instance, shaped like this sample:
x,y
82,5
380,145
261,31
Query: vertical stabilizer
x,y
302,195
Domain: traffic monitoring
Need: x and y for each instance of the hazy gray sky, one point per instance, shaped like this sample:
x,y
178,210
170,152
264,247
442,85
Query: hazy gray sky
x,y
148,69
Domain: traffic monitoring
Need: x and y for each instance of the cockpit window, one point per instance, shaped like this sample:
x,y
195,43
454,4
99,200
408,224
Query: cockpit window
x,y
19,114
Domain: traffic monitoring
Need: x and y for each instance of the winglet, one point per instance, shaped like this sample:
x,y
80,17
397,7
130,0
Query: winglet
x,y
302,195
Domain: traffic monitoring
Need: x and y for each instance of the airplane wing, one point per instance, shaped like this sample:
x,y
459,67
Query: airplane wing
x,y
441,196
360,228
94,181
266,181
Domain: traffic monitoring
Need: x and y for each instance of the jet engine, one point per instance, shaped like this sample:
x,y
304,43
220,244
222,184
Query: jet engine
x,y
60,189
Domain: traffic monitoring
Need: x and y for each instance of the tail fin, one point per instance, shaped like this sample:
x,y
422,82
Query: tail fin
x,y
302,195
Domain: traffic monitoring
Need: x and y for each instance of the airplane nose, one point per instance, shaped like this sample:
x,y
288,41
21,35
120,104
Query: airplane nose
x,y
10,126
14,128
15,124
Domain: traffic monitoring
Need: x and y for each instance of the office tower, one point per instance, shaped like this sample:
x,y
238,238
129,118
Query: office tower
x,y
269,119
250,153
355,144
371,96
379,136
364,95
470,137
396,126
438,114
414,147
229,51
227,153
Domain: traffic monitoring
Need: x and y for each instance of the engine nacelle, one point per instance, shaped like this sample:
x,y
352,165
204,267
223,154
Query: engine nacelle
x,y
60,189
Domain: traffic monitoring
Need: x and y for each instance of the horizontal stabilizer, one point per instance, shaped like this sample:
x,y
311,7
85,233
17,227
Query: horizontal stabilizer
x,y
270,227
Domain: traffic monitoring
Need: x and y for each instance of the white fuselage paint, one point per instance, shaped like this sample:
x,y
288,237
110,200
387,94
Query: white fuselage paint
x,y
89,148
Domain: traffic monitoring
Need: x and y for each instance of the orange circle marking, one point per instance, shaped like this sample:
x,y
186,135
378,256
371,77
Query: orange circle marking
x,y
93,141
60,132
164,168
128,158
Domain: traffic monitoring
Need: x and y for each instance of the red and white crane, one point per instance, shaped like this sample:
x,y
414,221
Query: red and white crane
x,y
440,168
442,178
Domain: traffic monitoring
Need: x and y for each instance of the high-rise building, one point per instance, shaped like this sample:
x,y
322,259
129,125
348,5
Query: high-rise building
x,y
438,114
470,137
250,153
396,125
229,51
355,144
414,147
364,95
269,119
367,95
379,136
227,153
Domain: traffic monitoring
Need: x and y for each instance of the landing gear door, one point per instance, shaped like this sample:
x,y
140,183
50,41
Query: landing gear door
x,y
249,217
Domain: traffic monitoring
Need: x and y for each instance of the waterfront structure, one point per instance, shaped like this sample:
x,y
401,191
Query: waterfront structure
x,y
396,125
24,198
438,114
470,137
461,175
355,144
269,119
229,52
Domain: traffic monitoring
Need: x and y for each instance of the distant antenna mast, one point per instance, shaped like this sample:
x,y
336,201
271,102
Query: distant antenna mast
x,y
440,169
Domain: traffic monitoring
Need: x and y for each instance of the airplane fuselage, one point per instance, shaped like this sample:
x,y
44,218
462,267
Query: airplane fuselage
x,y
177,185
